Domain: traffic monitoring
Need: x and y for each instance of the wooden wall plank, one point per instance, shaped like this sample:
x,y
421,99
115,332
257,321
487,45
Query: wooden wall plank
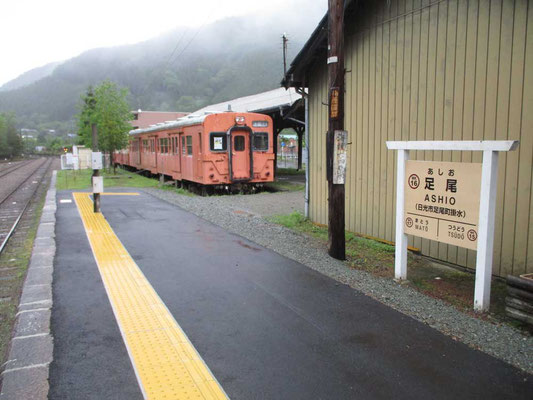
x,y
458,101
359,137
440,91
527,129
524,188
379,147
386,157
431,94
469,91
348,105
502,112
450,252
491,105
510,239
371,99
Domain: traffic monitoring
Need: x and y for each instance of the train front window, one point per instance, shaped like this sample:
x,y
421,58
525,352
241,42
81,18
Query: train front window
x,y
239,143
217,141
261,141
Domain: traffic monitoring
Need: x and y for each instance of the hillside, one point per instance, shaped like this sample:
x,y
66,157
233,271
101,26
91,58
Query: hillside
x,y
183,70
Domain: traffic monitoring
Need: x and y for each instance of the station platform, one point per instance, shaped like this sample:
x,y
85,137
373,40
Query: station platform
x,y
152,301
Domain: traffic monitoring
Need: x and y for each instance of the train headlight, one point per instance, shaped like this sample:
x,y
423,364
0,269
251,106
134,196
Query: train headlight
x,y
239,120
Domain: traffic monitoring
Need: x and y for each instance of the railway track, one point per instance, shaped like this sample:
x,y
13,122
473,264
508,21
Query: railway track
x,y
15,201
11,168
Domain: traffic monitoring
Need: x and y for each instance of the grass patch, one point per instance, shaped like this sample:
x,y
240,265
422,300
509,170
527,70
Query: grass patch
x,y
365,253
284,186
81,179
13,266
172,188
290,171
454,286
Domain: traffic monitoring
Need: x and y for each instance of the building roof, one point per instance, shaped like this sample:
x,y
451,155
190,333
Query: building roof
x,y
146,118
257,102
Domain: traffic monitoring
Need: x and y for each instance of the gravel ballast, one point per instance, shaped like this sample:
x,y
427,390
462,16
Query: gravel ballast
x,y
243,215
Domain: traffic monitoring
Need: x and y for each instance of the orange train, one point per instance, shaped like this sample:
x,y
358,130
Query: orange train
x,y
226,150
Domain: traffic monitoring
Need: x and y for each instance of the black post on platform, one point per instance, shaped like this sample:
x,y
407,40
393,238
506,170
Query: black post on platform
x,y
96,172
300,147
335,61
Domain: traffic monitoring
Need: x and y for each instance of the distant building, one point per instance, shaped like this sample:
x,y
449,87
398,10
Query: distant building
x,y
143,119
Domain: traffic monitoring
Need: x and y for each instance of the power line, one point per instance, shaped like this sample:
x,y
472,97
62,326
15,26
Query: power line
x,y
193,37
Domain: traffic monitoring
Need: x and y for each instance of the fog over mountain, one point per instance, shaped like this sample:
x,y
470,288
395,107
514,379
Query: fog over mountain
x,y
183,70
28,77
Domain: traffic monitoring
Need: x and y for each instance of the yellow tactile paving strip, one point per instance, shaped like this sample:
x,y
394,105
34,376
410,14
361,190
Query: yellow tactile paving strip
x,y
166,363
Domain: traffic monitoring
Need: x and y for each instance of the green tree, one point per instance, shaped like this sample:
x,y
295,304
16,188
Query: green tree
x,y
3,137
55,145
10,140
107,107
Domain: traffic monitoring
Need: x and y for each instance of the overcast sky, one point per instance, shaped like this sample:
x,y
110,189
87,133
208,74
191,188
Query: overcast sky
x,y
37,32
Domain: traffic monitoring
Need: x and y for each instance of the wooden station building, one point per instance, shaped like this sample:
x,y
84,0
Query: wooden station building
x,y
427,70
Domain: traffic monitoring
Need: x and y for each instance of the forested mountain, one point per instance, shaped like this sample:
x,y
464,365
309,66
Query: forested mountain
x,y
27,78
183,70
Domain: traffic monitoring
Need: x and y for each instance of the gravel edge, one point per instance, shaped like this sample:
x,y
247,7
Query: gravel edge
x,y
500,341
26,372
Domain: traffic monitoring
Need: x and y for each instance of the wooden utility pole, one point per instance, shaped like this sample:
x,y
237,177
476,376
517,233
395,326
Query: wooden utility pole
x,y
96,172
336,242
285,40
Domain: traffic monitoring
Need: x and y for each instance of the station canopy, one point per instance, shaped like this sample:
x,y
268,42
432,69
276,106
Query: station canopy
x,y
285,106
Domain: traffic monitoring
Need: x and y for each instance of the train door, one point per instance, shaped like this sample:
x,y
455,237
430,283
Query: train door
x,y
175,146
240,155
199,159
153,159
138,146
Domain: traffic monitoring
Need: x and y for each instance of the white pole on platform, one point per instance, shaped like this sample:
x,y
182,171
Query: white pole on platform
x,y
487,207
400,258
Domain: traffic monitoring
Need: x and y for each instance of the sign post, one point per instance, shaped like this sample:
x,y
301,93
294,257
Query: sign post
x,y
96,161
442,204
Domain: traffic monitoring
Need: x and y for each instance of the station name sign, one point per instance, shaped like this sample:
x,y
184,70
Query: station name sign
x,y
442,201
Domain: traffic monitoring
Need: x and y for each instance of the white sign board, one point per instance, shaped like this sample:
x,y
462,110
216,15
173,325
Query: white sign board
x,y
98,184
339,157
487,205
96,160
442,201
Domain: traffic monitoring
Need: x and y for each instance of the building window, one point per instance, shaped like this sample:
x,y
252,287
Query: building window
x,y
261,141
217,141
189,145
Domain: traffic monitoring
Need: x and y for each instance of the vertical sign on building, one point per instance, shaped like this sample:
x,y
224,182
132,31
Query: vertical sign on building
x,y
442,201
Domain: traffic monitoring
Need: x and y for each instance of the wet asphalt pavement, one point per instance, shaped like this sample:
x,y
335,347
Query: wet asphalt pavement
x,y
267,327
